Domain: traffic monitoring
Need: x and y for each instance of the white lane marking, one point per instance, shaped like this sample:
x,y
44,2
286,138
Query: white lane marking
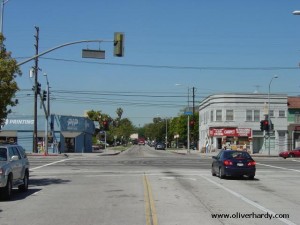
x,y
278,167
294,160
258,206
38,167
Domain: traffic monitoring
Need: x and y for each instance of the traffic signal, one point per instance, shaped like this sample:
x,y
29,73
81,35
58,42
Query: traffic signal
x,y
266,125
105,125
119,44
262,125
38,88
44,96
192,123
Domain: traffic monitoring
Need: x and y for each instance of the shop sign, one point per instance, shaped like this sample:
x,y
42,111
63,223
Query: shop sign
x,y
230,132
297,128
19,121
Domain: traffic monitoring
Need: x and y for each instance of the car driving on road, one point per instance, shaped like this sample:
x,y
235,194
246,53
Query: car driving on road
x,y
14,169
160,146
233,163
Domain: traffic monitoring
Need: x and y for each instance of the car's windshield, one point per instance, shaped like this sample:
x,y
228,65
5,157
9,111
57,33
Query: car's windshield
x,y
3,154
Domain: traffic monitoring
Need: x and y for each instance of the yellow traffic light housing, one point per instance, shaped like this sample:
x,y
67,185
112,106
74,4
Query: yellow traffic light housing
x,y
119,44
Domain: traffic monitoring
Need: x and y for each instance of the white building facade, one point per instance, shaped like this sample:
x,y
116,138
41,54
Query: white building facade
x,y
233,120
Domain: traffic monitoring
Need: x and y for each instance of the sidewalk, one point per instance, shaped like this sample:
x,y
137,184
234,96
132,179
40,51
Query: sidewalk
x,y
103,152
112,152
209,154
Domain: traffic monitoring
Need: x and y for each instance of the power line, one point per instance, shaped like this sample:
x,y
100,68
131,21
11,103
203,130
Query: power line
x,y
172,66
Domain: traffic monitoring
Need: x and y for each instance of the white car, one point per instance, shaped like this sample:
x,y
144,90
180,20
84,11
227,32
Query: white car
x,y
14,169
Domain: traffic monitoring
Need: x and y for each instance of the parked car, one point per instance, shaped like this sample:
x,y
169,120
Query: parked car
x,y
14,169
160,146
233,163
291,153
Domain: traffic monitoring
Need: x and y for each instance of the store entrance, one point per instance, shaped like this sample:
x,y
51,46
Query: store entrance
x,y
69,145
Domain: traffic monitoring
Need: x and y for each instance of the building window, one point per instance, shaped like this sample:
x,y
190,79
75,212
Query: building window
x,y
248,115
211,115
252,115
256,115
218,115
281,113
297,118
229,115
271,113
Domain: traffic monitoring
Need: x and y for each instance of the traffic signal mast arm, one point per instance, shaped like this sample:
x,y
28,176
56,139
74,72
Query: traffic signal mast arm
x,y
60,46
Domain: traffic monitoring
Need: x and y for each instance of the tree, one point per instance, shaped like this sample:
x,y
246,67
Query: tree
x,y
119,113
8,86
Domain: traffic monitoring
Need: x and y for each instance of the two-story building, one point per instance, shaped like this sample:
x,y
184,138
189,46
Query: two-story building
x,y
293,122
233,120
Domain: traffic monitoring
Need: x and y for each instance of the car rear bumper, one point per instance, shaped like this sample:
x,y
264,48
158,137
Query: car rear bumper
x,y
233,171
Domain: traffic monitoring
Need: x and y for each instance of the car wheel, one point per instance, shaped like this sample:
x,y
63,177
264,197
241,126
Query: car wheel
x,y
6,191
24,186
221,175
251,177
213,173
291,155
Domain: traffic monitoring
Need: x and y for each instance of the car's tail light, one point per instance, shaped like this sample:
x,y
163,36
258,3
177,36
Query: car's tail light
x,y
228,163
251,163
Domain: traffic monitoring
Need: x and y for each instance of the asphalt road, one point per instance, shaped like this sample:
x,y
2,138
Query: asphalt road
x,y
142,186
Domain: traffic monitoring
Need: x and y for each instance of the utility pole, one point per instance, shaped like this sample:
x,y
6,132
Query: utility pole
x,y
36,69
193,131
193,102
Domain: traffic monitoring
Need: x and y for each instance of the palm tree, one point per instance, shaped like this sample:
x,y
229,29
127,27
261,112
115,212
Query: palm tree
x,y
119,113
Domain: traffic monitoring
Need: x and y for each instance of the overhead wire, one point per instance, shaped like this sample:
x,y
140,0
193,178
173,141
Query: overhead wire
x,y
172,66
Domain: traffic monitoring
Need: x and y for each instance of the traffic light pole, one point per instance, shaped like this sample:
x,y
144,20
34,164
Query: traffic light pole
x,y
36,69
118,44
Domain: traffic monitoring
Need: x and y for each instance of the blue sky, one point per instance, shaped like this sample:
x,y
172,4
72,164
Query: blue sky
x,y
212,45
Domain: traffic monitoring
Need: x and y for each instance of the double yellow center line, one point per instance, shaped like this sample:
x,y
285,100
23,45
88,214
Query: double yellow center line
x,y
150,211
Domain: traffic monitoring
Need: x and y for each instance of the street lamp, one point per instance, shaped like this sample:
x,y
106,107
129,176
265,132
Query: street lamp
x,y
2,14
269,119
296,12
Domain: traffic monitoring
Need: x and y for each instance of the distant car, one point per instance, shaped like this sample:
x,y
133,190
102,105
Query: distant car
x,y
14,169
141,141
290,154
160,146
135,142
233,163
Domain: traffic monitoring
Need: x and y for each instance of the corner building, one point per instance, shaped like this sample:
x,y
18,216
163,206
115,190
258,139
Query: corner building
x,y
233,120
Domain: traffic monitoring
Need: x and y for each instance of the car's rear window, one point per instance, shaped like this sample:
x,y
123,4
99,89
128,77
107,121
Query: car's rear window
x,y
237,155
3,154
